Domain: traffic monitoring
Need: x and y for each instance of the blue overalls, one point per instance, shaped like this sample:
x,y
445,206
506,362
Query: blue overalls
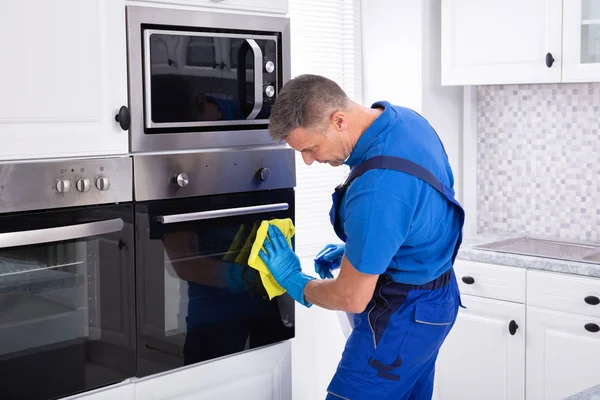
x,y
393,347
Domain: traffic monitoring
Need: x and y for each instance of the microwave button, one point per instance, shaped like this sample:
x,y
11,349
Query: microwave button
x,y
269,66
269,91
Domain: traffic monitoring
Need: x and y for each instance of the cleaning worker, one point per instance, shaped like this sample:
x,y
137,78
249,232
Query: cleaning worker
x,y
400,228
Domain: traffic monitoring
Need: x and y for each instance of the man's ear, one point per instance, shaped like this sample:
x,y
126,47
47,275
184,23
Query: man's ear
x,y
339,120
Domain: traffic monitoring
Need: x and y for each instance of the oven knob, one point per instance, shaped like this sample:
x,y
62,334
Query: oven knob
x,y
181,180
263,174
63,186
102,183
83,185
269,91
269,66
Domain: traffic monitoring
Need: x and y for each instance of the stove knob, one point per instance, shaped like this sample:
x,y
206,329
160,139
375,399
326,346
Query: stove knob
x,y
83,185
269,66
263,174
63,186
269,91
181,180
102,183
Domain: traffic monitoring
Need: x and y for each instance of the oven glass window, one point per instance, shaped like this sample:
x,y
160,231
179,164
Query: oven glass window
x,y
64,310
205,78
200,298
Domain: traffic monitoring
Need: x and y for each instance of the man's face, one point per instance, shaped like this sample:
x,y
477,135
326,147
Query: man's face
x,y
331,147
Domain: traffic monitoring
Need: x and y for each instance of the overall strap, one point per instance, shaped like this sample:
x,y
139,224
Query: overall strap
x,y
402,165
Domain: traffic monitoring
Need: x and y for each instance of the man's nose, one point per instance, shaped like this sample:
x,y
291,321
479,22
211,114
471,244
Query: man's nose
x,y
308,159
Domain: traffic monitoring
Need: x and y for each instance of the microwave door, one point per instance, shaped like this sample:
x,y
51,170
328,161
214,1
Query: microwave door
x,y
242,75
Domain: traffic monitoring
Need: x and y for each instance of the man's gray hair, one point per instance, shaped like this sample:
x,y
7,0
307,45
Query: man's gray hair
x,y
306,101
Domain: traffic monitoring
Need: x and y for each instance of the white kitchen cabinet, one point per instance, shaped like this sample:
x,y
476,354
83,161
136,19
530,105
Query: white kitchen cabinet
x,y
581,41
498,42
63,78
483,357
267,6
562,355
263,374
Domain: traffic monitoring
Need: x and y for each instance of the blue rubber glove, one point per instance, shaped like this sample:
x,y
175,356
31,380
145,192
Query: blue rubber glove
x,y
284,264
328,259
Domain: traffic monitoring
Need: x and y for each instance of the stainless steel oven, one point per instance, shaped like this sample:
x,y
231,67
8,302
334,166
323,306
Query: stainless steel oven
x,y
66,276
203,79
196,219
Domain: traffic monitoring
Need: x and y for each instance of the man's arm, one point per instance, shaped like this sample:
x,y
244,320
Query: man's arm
x,y
351,291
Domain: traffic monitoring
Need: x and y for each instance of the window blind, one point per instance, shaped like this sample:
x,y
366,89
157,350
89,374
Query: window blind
x,y
325,40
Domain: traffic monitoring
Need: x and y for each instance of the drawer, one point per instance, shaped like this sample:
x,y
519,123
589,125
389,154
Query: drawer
x,y
563,292
492,281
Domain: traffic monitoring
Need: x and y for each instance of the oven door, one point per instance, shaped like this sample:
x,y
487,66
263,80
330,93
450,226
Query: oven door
x,y
197,298
66,301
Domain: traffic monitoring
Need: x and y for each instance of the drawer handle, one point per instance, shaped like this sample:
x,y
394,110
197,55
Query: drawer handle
x,y
512,327
592,300
592,327
468,280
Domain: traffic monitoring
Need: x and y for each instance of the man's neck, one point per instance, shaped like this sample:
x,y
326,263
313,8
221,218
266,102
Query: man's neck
x,y
362,118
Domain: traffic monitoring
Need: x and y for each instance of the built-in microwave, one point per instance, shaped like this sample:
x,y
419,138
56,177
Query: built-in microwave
x,y
200,79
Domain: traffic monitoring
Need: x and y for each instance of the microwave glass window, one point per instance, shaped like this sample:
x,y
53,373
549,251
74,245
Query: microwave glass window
x,y
204,78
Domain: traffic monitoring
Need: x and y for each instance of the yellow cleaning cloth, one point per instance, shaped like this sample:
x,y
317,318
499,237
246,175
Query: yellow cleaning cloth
x,y
287,228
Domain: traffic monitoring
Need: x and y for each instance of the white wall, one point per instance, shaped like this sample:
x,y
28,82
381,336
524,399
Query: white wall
x,y
401,64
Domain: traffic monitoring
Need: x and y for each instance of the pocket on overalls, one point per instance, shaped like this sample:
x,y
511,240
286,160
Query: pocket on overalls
x,y
432,323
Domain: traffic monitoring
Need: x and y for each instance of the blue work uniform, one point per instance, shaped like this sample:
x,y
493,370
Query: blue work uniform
x,y
397,214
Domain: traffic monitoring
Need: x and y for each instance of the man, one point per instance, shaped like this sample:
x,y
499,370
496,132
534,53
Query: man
x,y
402,229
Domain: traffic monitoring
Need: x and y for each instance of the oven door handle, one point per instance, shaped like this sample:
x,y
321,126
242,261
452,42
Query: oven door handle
x,y
225,212
60,233
258,78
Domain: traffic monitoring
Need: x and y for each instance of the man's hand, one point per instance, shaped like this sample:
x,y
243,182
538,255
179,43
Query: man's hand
x,y
284,265
329,259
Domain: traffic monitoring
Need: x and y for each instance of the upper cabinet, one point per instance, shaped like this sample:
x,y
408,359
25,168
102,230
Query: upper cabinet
x,y
265,6
520,41
509,41
581,36
63,78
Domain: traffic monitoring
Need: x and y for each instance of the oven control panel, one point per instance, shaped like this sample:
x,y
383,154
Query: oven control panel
x,y
64,183
205,173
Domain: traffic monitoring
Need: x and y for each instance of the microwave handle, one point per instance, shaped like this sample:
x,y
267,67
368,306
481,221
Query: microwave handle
x,y
225,212
258,77
60,233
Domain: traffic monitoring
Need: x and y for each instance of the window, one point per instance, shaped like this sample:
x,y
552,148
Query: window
x,y
325,40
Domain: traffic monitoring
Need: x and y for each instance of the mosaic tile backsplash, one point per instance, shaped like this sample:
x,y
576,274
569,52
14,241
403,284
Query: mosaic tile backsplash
x,y
538,160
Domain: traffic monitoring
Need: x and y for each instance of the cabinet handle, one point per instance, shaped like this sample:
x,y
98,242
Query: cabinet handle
x,y
123,118
592,300
468,280
512,327
592,327
549,60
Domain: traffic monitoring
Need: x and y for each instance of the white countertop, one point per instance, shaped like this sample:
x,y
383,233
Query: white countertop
x,y
467,252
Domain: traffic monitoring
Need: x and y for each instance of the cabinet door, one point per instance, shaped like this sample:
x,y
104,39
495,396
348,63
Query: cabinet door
x,y
268,6
562,354
263,374
63,76
480,358
496,42
581,41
